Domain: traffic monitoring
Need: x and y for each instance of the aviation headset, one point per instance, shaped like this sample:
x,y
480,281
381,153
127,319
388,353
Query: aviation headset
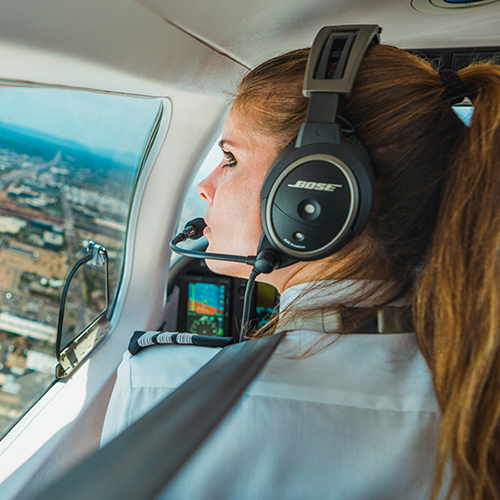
x,y
319,192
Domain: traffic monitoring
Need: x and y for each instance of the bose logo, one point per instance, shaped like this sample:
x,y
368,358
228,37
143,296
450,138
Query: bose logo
x,y
317,186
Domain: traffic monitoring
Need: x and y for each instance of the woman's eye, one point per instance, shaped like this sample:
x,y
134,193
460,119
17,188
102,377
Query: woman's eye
x,y
230,160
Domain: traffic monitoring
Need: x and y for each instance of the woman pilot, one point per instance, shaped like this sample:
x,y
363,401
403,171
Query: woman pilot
x,y
338,412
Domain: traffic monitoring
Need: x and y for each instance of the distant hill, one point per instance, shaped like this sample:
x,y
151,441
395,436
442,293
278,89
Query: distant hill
x,y
36,143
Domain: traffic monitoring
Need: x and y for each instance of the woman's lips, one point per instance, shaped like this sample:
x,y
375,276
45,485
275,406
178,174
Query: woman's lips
x,y
206,230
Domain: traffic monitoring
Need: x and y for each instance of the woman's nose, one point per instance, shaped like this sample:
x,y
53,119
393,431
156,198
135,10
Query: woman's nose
x,y
206,188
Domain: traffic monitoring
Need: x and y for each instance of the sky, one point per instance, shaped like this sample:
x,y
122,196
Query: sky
x,y
95,121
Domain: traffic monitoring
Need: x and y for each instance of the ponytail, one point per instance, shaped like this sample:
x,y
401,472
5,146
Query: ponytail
x,y
457,302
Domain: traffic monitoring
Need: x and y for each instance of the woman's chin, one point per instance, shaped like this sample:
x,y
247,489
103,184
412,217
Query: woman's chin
x,y
236,269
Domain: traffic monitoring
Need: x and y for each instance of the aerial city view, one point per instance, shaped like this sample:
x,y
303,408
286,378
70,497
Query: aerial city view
x,y
55,196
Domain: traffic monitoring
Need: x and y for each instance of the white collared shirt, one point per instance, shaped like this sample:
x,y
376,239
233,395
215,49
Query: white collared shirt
x,y
354,419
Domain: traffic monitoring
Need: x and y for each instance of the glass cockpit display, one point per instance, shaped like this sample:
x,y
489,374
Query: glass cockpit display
x,y
205,308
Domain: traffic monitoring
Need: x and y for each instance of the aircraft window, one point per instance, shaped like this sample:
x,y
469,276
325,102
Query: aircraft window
x,y
68,166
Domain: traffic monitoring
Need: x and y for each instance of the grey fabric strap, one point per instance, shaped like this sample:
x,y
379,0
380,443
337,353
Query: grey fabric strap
x,y
141,461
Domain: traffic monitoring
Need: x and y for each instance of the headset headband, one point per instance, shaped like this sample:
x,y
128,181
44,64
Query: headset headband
x,y
345,45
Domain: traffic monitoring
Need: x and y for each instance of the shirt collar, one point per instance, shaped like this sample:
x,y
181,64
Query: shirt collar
x,y
306,294
341,292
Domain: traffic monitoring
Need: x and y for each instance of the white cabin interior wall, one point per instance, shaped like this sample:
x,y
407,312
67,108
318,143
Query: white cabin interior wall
x,y
115,35
254,31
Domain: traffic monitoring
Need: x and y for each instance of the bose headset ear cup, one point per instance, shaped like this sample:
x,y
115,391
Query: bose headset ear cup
x,y
315,199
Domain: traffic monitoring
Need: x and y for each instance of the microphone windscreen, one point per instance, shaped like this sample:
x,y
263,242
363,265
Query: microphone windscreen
x,y
194,228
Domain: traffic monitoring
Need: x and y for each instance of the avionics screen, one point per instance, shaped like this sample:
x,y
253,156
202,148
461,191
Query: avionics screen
x,y
205,308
